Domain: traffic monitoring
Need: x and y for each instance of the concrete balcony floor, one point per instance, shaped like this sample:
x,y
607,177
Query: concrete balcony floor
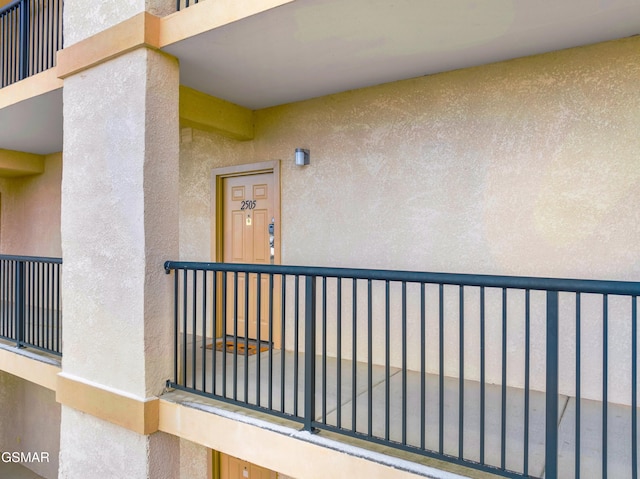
x,y
240,370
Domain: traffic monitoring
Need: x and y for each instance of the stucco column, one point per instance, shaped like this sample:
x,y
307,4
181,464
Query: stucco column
x,y
119,224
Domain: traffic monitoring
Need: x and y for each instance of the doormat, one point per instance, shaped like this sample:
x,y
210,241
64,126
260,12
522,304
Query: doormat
x,y
239,345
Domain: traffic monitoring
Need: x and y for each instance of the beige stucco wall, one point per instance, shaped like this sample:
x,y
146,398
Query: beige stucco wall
x,y
527,167
30,422
30,214
81,22
195,460
96,448
117,220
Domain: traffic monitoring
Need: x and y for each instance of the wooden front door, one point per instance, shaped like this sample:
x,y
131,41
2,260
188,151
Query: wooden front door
x,y
248,210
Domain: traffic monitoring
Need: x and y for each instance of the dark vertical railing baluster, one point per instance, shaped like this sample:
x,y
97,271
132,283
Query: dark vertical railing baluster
x,y
47,310
20,302
296,351
36,323
310,352
59,312
441,368
204,331
214,330
184,327
270,403
31,286
41,37
24,39
34,319
224,277
40,304
482,374
551,406
369,360
258,336
634,387
503,411
461,376
194,330
7,298
32,44
235,335
247,318
404,362
578,388
176,327
283,325
43,304
51,33
11,306
387,360
354,352
13,47
527,353
339,353
324,350
605,379
423,367
12,292
37,307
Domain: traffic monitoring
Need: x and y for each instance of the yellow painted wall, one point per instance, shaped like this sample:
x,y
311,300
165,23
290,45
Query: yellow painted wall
x,y
526,167
30,212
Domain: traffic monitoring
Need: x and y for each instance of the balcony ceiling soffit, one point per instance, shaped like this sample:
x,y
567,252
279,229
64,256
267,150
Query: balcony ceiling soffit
x,y
310,48
33,125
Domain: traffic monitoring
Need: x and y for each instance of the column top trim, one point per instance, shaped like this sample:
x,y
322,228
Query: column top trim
x,y
140,31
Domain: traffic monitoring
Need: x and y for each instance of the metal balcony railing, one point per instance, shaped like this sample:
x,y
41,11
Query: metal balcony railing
x,y
30,36
30,309
517,376
182,4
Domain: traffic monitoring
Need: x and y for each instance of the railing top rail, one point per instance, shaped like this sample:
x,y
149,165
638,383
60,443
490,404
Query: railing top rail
x,y
35,259
9,6
492,281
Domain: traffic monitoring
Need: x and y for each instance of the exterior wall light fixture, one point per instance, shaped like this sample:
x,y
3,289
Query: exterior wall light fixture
x,y
302,157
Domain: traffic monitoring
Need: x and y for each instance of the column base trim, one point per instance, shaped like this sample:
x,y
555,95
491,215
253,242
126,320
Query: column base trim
x,y
116,407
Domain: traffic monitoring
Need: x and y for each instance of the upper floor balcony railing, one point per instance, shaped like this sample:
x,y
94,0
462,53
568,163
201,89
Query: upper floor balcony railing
x,y
30,309
30,36
182,4
517,376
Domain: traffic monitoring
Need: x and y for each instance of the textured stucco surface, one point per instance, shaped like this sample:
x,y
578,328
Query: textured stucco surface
x,y
527,167
119,223
30,422
521,167
119,220
82,21
30,216
195,459
95,448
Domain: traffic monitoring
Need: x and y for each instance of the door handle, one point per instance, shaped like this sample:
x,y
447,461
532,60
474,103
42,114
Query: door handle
x,y
272,240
